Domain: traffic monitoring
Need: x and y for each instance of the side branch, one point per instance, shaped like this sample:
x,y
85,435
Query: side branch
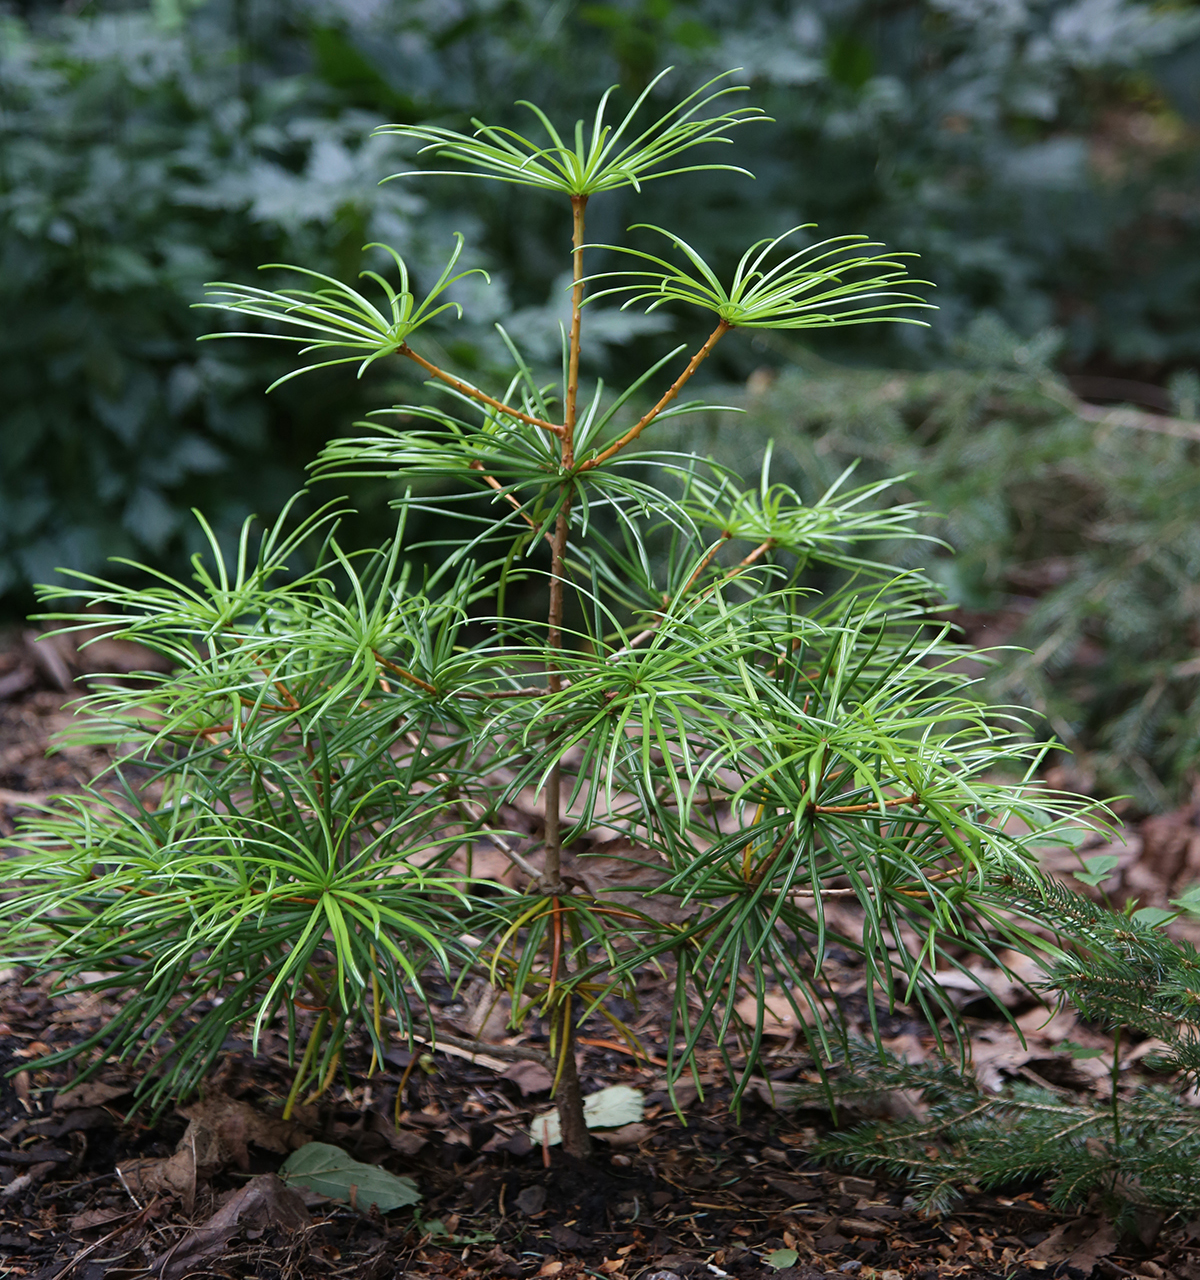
x,y
509,1052
403,674
741,565
494,837
638,427
467,390
529,691
864,808
512,502
1133,419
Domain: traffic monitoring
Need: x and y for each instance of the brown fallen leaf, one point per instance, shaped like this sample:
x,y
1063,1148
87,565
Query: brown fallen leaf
x,y
770,1093
221,1128
862,1227
17,681
628,1135
779,1017
36,1174
1000,1048
623,874
55,657
529,1077
79,1120
487,1011
797,1192
219,1133
92,1093
166,1175
90,651
402,1141
98,1220
263,1202
1080,1243
22,799
978,983
100,654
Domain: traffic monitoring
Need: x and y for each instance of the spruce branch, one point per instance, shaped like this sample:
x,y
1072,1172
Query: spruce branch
x,y
996,1141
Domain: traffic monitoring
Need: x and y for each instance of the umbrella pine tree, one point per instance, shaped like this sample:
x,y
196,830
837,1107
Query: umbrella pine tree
x,y
728,681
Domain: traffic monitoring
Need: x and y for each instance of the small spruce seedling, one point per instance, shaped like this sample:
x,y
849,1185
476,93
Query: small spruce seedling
x,y
1126,1157
333,750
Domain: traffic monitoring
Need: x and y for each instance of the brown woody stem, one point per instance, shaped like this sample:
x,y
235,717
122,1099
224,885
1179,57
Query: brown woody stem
x,y
746,561
476,465
576,1140
568,1093
403,674
467,390
578,206
551,881
742,564
672,391
708,559
863,808
516,506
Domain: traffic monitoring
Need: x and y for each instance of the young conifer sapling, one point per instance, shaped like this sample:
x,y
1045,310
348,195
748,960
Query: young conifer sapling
x,y
731,715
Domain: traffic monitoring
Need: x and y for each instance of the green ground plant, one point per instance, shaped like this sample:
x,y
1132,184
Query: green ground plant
x,y
1134,1152
762,715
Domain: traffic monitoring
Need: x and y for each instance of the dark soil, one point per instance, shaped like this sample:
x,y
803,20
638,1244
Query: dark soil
x,y
710,1197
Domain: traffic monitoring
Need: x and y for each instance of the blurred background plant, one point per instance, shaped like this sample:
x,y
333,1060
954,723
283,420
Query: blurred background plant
x,y
1073,533
1042,155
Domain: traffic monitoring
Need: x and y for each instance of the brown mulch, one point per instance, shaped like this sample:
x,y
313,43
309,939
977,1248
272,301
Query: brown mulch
x,y
712,1194
708,1193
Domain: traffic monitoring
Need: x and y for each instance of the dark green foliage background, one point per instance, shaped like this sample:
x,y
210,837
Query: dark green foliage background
x,y
1041,156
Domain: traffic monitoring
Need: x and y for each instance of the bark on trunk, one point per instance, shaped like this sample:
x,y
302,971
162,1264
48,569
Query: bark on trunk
x,y
576,1139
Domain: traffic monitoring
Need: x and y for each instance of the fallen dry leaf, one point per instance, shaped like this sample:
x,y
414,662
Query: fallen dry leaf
x,y
628,1135
168,1175
625,875
220,1132
403,1141
794,1190
1080,1243
93,1220
1000,1048
92,1093
779,1018
529,1077
19,1185
487,1011
264,1201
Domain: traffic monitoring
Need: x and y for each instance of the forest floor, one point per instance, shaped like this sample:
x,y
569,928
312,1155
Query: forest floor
x,y
87,1190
